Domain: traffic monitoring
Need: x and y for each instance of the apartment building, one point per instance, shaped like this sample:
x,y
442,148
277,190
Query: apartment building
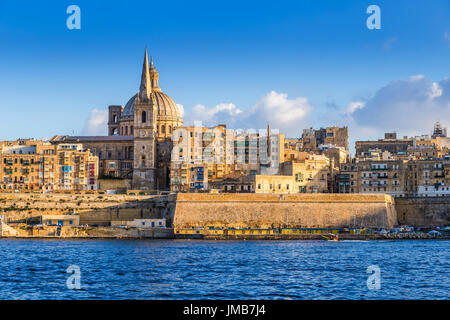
x,y
400,178
224,153
77,169
310,175
314,174
390,143
336,136
373,176
38,166
186,177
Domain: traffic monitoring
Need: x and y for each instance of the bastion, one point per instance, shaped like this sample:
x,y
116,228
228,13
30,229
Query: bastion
x,y
196,210
233,210
94,209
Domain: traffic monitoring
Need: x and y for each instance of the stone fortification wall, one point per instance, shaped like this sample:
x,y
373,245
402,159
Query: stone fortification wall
x,y
114,184
423,212
234,210
92,208
272,211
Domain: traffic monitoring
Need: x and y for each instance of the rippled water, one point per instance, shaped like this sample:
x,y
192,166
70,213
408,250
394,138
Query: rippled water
x,y
172,269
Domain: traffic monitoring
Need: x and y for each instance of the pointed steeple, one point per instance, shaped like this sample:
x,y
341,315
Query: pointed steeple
x,y
146,87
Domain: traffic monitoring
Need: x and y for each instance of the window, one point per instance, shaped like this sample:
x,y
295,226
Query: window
x,y
144,116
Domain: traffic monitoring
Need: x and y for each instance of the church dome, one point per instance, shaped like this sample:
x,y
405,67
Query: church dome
x,y
167,108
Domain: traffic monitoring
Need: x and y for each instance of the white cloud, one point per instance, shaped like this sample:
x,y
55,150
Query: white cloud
x,y
290,116
436,90
409,107
181,108
222,113
417,77
353,106
96,124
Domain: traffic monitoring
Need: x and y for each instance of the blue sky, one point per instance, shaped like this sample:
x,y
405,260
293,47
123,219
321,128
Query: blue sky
x,y
255,57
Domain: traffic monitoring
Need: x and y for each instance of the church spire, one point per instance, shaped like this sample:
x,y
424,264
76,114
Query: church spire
x,y
146,87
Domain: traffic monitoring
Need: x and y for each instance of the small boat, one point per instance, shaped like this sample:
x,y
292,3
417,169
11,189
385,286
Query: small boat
x,y
332,237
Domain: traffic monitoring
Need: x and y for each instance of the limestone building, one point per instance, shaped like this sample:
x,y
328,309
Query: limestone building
x,y
224,154
38,166
138,145
336,136
390,143
399,178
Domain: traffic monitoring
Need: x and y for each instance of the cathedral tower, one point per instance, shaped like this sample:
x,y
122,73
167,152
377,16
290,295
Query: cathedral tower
x,y
145,119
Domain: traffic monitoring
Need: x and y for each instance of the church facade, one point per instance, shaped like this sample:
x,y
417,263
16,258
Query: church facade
x,y
139,141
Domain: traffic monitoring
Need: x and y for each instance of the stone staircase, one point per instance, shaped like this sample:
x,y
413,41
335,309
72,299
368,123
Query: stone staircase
x,y
7,231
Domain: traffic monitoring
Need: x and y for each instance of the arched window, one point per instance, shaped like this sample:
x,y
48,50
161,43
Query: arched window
x,y
143,161
115,132
144,116
163,129
126,131
115,118
169,129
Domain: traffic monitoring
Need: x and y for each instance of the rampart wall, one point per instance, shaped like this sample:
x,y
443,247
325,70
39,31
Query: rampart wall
x,y
272,211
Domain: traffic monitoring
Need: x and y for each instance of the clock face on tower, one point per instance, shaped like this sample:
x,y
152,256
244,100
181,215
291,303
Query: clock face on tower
x,y
143,133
